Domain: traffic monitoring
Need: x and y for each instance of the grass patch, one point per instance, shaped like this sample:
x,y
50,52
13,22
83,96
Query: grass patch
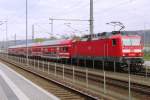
x,y
147,58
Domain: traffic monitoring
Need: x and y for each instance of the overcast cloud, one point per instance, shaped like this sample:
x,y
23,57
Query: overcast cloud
x,y
133,13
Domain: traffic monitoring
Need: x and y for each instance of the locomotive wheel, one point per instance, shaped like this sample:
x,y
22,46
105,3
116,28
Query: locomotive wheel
x,y
125,69
137,68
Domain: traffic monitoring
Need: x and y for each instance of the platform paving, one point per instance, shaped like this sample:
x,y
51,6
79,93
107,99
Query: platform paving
x,y
14,86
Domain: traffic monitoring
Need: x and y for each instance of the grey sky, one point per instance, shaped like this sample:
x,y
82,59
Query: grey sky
x,y
133,13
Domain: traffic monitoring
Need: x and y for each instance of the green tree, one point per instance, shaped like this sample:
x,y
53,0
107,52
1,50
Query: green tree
x,y
39,40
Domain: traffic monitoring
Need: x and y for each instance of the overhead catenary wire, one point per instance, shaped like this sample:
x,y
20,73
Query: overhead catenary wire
x,y
84,4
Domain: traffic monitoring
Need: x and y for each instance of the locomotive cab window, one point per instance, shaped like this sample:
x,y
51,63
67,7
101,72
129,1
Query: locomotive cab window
x,y
114,42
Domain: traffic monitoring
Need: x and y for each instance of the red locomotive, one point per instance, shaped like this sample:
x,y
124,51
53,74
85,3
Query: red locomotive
x,y
108,47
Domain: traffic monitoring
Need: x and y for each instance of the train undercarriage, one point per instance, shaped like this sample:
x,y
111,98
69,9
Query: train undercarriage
x,y
132,64
117,64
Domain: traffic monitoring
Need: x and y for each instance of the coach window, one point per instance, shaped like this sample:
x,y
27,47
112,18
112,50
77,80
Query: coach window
x,y
61,49
114,42
65,49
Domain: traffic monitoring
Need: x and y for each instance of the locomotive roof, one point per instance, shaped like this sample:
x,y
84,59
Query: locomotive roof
x,y
46,43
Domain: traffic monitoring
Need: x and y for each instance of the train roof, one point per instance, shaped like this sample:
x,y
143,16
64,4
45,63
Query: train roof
x,y
110,34
46,43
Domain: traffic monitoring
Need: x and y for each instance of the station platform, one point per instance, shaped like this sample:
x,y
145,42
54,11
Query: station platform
x,y
14,86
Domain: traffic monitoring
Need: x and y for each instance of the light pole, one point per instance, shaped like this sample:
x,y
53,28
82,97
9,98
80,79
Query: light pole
x,y
15,39
144,35
129,78
27,32
33,33
1,23
52,22
91,18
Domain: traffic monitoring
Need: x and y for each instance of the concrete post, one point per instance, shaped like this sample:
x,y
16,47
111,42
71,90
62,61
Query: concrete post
x,y
63,71
43,65
146,71
48,67
129,88
20,59
73,73
103,65
55,69
34,63
104,82
93,63
87,83
38,65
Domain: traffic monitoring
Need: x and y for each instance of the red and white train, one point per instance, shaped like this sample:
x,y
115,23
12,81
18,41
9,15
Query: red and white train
x,y
109,47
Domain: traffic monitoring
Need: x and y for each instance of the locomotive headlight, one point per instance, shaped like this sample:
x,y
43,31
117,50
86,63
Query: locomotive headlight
x,y
125,54
137,50
126,50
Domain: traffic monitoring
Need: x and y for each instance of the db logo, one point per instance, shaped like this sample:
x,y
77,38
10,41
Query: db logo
x,y
89,48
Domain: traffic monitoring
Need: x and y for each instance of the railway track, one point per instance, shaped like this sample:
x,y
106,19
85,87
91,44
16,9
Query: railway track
x,y
144,74
56,88
94,78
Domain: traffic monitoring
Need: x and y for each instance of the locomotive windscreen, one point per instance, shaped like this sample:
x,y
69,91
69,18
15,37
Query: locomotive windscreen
x,y
131,42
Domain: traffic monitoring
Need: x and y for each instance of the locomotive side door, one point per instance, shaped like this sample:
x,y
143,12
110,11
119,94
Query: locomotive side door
x,y
105,49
